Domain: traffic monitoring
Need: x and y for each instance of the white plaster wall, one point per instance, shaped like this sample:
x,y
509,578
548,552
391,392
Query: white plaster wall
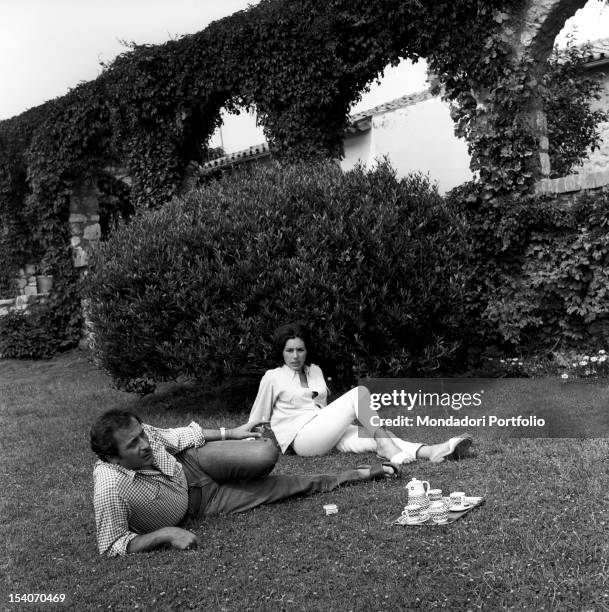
x,y
358,149
415,138
237,132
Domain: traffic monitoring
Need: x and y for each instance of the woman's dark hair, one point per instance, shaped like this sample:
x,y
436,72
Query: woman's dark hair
x,y
103,443
288,332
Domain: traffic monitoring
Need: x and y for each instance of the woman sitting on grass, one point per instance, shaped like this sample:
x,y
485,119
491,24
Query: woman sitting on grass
x,y
293,397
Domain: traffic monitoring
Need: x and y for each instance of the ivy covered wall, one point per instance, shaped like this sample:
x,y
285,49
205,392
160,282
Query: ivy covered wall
x,y
301,63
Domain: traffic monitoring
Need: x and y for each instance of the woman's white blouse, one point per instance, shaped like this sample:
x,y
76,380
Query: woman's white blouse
x,y
289,406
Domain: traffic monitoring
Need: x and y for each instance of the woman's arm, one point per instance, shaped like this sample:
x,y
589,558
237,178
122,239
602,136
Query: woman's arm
x,y
262,408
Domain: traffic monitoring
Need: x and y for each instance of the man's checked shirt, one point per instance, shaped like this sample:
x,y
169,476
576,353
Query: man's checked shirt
x,y
131,502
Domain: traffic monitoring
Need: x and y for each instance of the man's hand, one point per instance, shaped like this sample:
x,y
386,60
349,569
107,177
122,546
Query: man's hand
x,y
181,538
244,431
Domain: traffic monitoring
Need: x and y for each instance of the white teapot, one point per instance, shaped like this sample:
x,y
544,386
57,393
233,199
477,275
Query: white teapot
x,y
416,488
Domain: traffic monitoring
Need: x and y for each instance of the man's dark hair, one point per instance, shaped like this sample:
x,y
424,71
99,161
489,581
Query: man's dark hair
x,y
289,332
103,443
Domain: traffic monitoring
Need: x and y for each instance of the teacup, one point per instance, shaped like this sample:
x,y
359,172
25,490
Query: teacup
x,y
412,512
434,495
438,512
457,498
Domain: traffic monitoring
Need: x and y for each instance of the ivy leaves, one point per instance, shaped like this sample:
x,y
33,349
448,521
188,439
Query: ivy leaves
x,y
301,63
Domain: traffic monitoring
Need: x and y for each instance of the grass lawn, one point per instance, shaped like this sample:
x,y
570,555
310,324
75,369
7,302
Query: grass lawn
x,y
540,541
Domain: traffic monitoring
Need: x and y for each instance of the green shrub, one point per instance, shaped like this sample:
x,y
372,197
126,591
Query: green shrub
x,y
23,336
375,265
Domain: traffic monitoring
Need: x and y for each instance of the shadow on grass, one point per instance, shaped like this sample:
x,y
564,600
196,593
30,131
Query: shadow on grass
x,y
232,396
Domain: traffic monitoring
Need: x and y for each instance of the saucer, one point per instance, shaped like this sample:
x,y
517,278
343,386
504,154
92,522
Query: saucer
x,y
442,522
416,521
460,508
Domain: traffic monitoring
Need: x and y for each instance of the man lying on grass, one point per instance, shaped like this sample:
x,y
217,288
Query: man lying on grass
x,y
148,482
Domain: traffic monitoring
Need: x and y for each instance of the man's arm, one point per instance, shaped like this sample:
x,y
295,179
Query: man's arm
x,y
177,439
236,433
175,536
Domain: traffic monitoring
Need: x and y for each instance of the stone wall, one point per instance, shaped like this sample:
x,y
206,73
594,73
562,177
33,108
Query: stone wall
x,y
29,291
85,230
84,222
575,183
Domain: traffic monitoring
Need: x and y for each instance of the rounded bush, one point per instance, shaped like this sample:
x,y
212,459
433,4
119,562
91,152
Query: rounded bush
x,y
375,265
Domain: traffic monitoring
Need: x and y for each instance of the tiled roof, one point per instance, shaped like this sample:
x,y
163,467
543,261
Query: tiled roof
x,y
407,100
259,150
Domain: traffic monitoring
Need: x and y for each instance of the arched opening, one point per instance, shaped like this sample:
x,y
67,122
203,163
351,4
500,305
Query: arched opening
x,y
584,36
533,40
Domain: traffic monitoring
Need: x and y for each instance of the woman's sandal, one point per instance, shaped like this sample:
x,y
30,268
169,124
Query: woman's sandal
x,y
377,472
